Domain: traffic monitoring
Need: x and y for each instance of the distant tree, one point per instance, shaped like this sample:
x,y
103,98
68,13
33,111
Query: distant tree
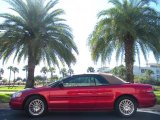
x,y
24,80
63,71
25,68
120,71
39,78
4,80
10,71
18,79
115,71
1,73
71,71
90,69
44,70
148,74
15,70
55,78
52,70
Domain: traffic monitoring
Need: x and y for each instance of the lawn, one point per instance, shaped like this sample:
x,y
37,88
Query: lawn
x,y
11,89
158,96
4,92
4,98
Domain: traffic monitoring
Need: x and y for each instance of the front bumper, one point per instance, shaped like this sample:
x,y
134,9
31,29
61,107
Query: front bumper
x,y
16,103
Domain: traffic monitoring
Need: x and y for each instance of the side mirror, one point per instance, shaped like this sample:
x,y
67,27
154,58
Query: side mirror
x,y
60,85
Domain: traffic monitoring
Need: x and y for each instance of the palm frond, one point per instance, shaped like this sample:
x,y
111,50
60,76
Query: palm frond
x,y
36,25
127,18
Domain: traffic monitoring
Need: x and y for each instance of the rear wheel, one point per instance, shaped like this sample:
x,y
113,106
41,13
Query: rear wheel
x,y
126,106
35,106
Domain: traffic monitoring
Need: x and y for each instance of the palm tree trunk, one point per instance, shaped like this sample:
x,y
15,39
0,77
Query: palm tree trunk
x,y
9,77
14,79
51,75
26,74
46,78
31,68
129,58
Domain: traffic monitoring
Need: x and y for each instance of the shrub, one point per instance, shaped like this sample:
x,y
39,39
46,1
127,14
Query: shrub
x,y
144,80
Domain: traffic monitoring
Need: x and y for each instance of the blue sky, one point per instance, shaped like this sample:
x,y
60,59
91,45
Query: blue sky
x,y
81,16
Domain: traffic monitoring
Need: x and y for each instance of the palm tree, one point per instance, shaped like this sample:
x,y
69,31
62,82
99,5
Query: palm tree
x,y
18,79
52,70
15,70
1,73
36,33
63,71
39,78
10,71
128,28
70,71
25,68
90,69
44,70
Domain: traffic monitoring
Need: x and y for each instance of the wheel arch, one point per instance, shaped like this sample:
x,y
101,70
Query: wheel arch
x,y
126,95
38,95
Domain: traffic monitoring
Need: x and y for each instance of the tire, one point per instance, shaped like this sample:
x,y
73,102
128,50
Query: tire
x,y
35,106
126,106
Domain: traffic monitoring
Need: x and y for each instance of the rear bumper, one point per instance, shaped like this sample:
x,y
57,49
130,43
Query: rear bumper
x,y
147,100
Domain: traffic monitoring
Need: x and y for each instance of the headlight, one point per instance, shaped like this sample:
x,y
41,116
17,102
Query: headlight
x,y
17,94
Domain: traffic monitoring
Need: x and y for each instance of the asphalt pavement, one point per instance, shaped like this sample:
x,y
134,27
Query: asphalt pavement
x,y
152,113
8,114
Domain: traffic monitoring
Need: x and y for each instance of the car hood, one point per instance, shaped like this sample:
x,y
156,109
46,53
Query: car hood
x,y
34,89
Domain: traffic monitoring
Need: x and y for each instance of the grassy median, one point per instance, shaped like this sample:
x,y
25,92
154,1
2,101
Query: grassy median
x,y
11,88
5,92
157,93
5,98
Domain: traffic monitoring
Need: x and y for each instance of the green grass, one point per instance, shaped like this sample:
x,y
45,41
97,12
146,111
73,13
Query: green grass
x,y
156,88
5,98
158,96
11,89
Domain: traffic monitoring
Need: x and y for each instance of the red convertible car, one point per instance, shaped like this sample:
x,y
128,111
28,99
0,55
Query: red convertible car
x,y
85,92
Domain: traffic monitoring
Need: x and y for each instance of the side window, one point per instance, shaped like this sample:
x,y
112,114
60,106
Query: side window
x,y
79,81
69,83
101,81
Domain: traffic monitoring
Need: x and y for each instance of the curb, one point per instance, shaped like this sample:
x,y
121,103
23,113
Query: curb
x,y
155,108
4,106
147,111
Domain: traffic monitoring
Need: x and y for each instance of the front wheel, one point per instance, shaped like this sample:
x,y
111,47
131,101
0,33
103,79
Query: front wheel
x,y
126,106
35,106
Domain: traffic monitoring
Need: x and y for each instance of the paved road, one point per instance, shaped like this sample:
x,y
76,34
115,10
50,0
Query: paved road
x,y
6,114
